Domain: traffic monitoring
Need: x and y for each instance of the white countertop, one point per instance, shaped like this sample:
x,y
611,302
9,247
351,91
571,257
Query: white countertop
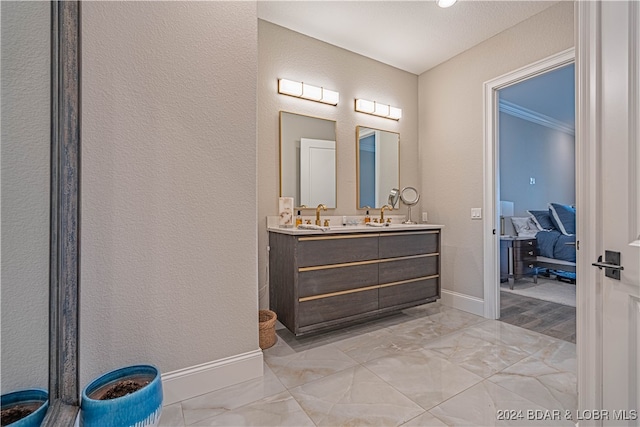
x,y
339,229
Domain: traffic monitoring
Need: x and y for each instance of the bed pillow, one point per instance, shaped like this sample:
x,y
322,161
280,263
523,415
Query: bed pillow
x,y
524,226
564,218
542,219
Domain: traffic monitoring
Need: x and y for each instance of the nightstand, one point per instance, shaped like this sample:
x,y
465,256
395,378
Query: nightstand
x,y
517,258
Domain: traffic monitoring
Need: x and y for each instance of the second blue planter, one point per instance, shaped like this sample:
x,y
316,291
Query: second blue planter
x,y
37,398
140,408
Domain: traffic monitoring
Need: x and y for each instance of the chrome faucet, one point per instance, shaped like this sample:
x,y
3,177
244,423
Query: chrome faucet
x,y
382,212
320,206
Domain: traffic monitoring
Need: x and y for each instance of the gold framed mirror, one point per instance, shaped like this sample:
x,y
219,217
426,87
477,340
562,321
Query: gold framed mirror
x,y
308,160
377,166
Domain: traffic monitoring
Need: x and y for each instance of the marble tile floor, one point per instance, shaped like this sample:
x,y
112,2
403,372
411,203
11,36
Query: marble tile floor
x,y
427,366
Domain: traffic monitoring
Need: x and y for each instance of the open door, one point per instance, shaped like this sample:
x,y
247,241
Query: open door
x,y
608,61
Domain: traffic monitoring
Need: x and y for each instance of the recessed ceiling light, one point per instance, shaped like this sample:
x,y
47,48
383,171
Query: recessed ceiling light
x,y
445,3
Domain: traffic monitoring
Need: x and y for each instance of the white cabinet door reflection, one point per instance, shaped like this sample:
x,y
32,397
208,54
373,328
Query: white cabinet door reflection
x,y
317,171
315,163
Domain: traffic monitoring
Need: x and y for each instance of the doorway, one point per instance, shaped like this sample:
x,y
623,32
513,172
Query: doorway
x,y
536,145
492,170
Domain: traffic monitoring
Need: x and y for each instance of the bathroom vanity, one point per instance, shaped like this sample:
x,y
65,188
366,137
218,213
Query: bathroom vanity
x,y
326,279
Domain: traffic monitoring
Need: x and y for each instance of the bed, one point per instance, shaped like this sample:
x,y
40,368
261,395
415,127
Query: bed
x,y
554,231
556,252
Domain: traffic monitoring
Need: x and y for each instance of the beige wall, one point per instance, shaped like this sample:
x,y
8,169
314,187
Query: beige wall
x,y
286,54
169,238
25,194
531,150
451,135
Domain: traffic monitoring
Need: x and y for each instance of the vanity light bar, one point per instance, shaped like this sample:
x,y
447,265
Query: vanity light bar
x,y
307,91
378,109
446,3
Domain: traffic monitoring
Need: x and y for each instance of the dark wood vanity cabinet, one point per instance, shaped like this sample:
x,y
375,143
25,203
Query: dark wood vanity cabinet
x,y
319,282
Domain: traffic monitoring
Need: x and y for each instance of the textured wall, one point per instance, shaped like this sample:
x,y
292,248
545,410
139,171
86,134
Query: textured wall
x,y
451,135
168,183
531,150
286,54
25,194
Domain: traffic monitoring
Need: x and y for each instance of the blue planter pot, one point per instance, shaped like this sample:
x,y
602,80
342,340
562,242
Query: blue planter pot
x,y
29,396
140,408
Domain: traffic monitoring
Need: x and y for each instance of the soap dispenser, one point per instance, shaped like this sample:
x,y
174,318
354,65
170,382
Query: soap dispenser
x,y
367,219
298,219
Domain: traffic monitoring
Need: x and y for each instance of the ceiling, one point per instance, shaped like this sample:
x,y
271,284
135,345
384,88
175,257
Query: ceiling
x,y
551,94
414,36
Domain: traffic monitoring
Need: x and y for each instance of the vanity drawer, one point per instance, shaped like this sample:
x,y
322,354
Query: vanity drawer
x,y
337,307
328,280
409,268
408,292
336,249
405,244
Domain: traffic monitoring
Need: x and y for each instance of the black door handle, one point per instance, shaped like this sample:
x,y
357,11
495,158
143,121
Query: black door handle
x,y
611,265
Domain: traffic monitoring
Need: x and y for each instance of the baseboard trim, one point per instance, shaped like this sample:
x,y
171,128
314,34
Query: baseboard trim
x,y
462,302
211,376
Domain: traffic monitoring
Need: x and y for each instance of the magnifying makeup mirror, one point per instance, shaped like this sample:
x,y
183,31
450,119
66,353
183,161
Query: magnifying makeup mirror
x,y
393,197
409,196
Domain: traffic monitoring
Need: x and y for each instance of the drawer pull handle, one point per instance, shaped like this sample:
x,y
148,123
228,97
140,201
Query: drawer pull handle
x,y
530,243
530,265
530,252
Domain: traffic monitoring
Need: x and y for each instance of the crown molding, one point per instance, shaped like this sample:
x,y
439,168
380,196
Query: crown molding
x,y
535,117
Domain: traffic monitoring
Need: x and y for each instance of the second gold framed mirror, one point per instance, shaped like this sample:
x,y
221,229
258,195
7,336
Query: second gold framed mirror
x,y
377,166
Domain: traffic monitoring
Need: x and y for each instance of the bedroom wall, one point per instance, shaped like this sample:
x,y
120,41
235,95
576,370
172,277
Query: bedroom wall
x,y
25,194
531,150
169,237
287,54
451,136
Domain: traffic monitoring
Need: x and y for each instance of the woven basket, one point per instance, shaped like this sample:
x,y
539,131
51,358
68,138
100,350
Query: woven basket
x,y
267,328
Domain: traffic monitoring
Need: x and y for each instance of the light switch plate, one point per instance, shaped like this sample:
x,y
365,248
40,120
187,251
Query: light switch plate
x,y
425,217
476,213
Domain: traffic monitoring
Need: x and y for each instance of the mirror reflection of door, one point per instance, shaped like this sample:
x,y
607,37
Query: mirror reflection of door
x,y
317,171
378,166
367,170
321,180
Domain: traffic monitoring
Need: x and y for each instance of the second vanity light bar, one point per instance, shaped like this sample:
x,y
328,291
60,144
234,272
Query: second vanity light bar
x,y
378,109
307,91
